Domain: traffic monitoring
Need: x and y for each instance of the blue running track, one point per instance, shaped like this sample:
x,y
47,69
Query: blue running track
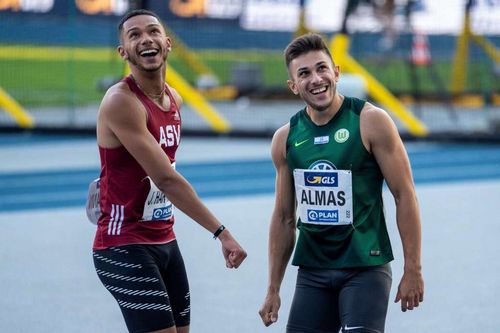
x,y
431,163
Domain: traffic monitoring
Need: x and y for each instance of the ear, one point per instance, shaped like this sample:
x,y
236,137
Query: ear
x,y
169,43
293,87
122,52
336,70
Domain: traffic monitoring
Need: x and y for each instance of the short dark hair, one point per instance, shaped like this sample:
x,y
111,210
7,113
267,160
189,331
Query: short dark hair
x,y
303,44
133,13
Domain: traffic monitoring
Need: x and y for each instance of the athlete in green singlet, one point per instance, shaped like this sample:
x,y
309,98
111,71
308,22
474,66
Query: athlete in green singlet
x,y
331,160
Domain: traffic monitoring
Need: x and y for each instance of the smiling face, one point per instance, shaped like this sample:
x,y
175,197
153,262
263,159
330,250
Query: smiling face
x,y
313,76
144,43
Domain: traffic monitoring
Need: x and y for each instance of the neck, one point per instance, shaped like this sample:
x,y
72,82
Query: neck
x,y
151,83
323,117
153,87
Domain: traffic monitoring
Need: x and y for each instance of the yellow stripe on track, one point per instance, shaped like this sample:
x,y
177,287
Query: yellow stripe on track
x,y
32,52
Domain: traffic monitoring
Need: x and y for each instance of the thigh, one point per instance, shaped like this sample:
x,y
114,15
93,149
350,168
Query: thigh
x,y
176,281
131,275
364,298
314,306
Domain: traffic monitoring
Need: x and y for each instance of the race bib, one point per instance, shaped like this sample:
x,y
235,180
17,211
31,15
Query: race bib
x,y
157,207
324,196
92,207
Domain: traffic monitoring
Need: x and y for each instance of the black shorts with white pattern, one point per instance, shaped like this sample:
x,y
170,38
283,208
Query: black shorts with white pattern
x,y
149,282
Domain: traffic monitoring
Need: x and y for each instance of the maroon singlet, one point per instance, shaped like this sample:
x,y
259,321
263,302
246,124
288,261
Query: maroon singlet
x,y
125,187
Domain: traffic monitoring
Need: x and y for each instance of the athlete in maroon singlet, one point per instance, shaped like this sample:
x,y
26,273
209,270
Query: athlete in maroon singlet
x,y
125,186
135,252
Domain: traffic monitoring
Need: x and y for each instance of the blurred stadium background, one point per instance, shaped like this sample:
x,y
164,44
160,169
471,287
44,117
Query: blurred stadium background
x,y
438,60
432,64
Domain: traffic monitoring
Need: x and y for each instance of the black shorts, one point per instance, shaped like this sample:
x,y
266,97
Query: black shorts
x,y
354,300
149,283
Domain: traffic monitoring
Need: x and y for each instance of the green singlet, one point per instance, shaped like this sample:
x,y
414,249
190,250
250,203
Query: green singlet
x,y
341,229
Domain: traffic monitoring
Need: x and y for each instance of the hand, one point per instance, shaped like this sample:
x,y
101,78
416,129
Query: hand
x,y
232,251
269,310
410,290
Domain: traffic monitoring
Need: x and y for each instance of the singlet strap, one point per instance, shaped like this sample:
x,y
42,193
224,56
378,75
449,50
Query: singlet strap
x,y
173,103
354,104
295,119
133,86
135,89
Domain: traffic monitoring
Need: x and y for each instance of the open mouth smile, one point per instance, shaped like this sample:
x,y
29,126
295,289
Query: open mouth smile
x,y
319,90
148,53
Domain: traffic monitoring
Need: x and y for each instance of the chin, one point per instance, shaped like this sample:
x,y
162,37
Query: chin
x,y
322,107
152,68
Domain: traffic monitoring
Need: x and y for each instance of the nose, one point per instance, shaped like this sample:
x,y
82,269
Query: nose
x,y
146,39
315,77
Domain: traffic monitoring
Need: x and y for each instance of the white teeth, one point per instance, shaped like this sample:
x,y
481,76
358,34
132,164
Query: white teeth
x,y
148,52
318,90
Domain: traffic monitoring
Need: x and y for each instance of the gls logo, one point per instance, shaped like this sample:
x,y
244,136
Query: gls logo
x,y
323,179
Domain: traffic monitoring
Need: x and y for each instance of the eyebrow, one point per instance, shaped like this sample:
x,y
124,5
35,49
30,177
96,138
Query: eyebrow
x,y
148,26
321,63
315,65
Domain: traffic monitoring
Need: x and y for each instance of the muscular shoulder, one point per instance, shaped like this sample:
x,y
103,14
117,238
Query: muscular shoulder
x,y
278,146
376,126
281,133
120,111
118,96
120,102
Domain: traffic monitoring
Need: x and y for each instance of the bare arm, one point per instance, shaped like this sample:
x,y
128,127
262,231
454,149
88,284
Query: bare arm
x,y
122,121
381,137
282,228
